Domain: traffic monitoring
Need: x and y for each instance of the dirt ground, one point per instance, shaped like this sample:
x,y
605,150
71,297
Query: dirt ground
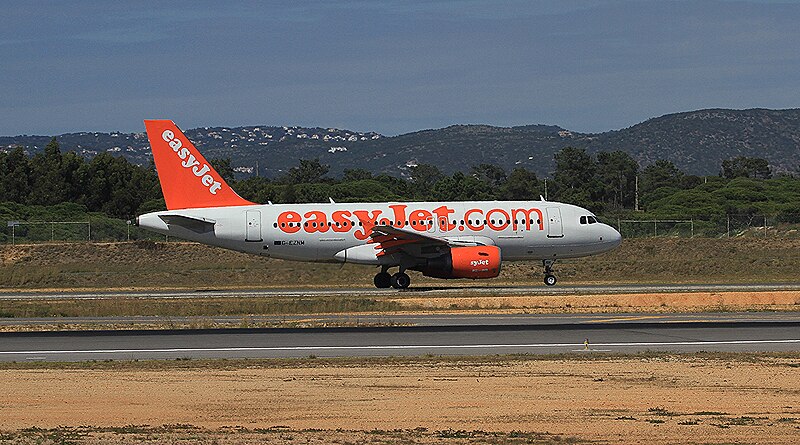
x,y
648,399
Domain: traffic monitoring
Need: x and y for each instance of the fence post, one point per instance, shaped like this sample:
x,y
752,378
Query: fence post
x,y
691,221
729,225
90,229
655,227
765,226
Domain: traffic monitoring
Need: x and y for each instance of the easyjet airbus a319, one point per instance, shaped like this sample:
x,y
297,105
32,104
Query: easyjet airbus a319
x,y
438,239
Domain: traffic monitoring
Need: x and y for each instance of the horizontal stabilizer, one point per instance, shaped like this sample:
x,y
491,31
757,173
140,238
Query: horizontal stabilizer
x,y
197,225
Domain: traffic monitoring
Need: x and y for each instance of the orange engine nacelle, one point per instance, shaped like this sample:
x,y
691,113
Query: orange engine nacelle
x,y
465,262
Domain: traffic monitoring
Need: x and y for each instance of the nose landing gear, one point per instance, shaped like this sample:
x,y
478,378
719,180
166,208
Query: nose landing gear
x,y
549,278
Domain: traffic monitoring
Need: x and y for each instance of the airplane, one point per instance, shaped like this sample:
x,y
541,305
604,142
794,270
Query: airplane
x,y
439,239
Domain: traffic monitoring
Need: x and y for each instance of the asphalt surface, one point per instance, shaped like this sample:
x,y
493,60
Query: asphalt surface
x,y
411,292
437,335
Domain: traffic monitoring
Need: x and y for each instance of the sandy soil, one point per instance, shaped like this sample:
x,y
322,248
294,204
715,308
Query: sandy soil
x,y
617,400
653,302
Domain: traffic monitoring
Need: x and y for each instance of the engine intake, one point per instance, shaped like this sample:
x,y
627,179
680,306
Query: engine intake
x,y
464,262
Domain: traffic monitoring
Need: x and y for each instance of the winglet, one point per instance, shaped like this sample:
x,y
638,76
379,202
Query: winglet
x,y
187,179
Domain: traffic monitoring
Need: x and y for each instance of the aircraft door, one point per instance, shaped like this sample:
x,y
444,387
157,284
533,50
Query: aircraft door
x,y
253,226
555,228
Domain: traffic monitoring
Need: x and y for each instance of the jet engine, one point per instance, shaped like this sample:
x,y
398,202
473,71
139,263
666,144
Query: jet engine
x,y
464,262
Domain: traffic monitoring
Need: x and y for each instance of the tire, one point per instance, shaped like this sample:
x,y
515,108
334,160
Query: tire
x,y
383,280
550,280
400,281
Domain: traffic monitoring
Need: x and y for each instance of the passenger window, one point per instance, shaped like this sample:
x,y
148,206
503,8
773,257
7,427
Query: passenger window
x,y
583,220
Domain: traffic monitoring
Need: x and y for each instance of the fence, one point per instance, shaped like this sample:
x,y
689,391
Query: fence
x,y
714,226
101,230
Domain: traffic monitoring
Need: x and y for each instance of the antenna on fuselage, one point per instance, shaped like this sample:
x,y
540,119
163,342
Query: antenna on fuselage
x,y
332,201
541,198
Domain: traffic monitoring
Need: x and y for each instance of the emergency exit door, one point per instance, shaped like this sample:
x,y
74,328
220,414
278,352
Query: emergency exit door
x,y
253,225
555,229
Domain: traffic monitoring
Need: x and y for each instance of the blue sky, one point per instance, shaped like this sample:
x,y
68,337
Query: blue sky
x,y
389,66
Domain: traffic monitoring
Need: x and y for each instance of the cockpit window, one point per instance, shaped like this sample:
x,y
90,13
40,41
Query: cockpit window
x,y
588,219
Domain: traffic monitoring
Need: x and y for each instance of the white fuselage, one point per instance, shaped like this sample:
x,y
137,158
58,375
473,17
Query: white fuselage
x,y
523,230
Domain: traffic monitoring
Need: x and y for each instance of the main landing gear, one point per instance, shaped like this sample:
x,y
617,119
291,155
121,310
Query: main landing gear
x,y
400,280
549,278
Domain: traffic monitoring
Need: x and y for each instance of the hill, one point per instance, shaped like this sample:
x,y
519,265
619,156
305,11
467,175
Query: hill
x,y
696,142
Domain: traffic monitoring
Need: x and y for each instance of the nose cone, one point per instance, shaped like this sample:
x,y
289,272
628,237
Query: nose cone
x,y
612,239
341,255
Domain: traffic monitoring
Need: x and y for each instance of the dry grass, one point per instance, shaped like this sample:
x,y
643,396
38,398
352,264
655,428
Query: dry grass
x,y
189,434
200,310
148,265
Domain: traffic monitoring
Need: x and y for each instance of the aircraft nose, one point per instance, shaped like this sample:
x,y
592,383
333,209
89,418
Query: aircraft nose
x,y
612,237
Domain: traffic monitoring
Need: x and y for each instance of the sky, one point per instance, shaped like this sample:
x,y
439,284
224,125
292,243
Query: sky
x,y
389,66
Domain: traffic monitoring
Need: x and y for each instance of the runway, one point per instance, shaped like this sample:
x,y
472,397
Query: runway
x,y
421,335
372,292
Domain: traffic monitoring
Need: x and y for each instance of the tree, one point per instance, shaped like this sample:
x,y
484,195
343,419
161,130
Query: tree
x,y
521,185
117,187
72,172
224,168
423,178
461,187
356,174
489,173
575,168
616,173
49,187
660,174
576,178
308,171
16,179
744,167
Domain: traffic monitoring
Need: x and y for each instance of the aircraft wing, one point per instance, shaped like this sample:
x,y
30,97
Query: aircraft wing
x,y
392,239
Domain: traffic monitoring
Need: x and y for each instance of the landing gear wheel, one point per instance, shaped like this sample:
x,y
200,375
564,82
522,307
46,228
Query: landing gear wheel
x,y
549,278
400,280
383,280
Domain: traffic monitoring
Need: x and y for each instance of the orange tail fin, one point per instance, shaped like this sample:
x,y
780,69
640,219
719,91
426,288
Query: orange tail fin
x,y
187,179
